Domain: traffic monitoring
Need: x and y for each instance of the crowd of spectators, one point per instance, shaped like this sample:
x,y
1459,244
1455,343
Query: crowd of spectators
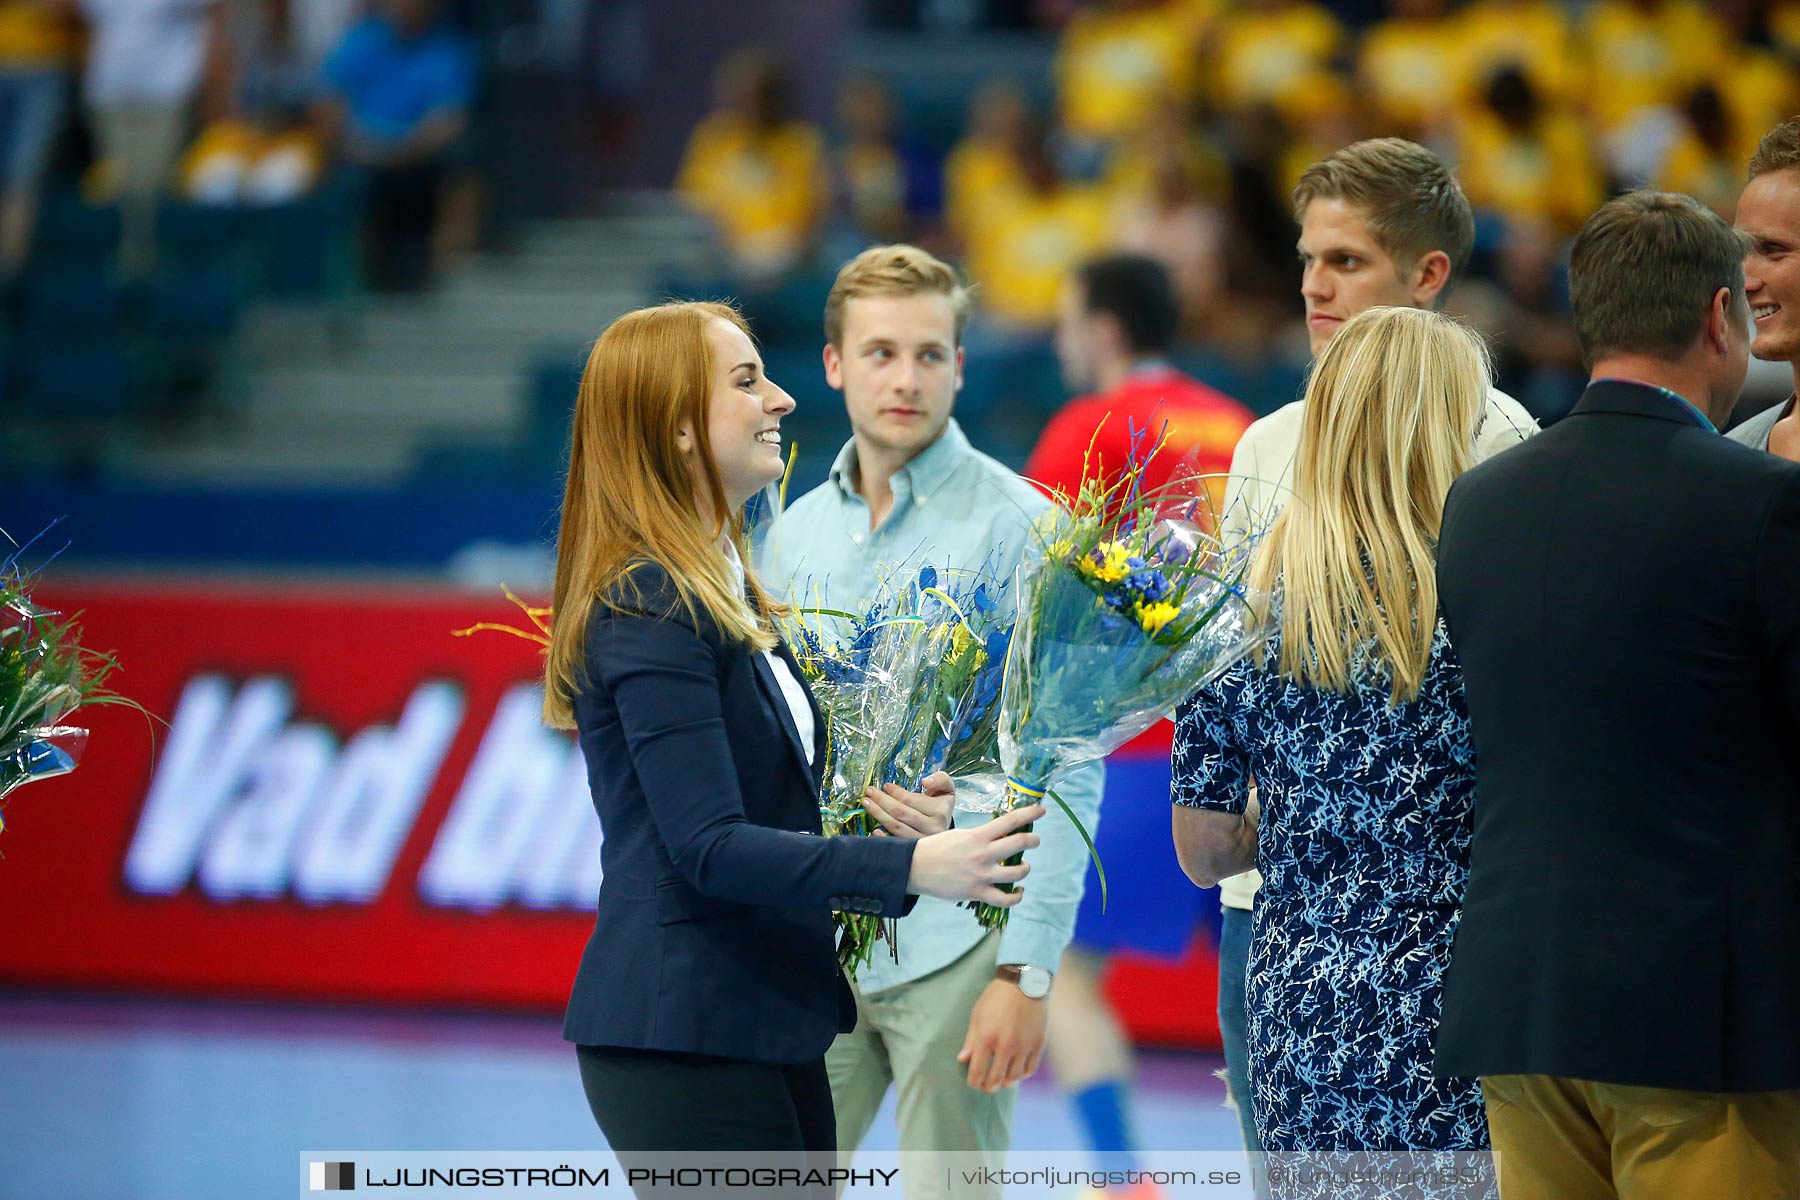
x,y
251,103
1177,127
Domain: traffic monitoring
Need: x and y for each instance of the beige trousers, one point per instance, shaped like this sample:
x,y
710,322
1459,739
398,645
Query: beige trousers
x,y
143,143
908,1036
1571,1139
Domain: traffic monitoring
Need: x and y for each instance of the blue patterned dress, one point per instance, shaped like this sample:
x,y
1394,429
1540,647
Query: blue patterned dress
x,y
1364,851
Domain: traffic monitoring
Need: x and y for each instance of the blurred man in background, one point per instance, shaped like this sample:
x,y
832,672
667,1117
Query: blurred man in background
x,y
398,90
1116,323
37,46
147,61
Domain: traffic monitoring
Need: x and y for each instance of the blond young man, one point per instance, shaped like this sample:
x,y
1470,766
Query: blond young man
x,y
1768,215
1383,222
959,1018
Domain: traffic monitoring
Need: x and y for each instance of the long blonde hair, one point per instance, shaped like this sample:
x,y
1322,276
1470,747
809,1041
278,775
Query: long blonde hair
x,y
632,493
1392,409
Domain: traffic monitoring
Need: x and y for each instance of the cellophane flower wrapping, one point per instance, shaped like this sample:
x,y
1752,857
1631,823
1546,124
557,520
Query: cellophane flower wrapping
x,y
908,687
1132,606
45,674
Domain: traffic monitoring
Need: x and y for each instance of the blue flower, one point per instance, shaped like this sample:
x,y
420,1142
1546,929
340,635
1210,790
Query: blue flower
x,y
1152,585
928,577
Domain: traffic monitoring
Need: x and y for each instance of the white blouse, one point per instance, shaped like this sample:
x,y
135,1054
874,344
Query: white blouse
x,y
792,690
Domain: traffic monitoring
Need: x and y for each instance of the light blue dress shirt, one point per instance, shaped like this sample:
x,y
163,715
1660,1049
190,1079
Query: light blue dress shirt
x,y
955,509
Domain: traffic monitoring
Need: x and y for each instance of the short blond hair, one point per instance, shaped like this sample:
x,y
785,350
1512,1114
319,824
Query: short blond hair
x,y
1413,203
1778,150
897,270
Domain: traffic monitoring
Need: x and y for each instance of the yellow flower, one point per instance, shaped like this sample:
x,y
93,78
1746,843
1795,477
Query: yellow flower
x,y
960,639
1112,566
1061,549
1154,616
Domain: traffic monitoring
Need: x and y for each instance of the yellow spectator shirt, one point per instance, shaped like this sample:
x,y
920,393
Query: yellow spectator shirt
x,y
1547,176
1713,179
1113,68
1648,59
34,35
1022,251
1410,68
1534,36
765,192
1760,92
1270,57
979,177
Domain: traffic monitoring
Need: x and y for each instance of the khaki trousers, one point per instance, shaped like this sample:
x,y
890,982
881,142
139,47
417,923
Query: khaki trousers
x,y
143,143
1571,1139
909,1036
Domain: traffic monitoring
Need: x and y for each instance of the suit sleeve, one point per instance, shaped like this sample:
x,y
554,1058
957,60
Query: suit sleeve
x,y
1778,590
664,678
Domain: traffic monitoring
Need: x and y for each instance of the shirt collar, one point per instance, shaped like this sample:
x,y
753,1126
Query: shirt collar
x,y
734,562
925,472
1700,418
1151,366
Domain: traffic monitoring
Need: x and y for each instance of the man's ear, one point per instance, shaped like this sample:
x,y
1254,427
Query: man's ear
x,y
1718,327
834,367
1431,276
962,357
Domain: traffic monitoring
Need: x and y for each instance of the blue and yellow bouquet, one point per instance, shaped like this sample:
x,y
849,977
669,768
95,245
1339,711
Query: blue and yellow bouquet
x,y
45,675
908,687
1132,605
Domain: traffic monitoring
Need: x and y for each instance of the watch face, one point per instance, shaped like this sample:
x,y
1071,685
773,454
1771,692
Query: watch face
x,y
1034,982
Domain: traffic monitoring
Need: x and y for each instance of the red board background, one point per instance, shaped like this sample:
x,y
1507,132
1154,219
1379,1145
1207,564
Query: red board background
x,y
353,657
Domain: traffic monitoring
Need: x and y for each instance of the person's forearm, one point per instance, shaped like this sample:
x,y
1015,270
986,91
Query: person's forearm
x,y
1215,845
1225,859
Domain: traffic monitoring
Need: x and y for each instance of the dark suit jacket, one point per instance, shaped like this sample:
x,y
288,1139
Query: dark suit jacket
x,y
1624,594
714,932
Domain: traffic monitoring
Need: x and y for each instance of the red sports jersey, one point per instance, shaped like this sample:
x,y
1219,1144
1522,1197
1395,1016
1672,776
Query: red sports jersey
x,y
1202,425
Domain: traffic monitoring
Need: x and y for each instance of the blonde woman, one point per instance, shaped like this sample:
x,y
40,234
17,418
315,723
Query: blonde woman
x,y
710,989
1354,728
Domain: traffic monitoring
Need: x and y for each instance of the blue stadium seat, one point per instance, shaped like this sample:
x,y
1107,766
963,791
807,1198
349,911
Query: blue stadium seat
x,y
552,380
199,304
464,462
72,306
305,250
77,383
74,235
189,235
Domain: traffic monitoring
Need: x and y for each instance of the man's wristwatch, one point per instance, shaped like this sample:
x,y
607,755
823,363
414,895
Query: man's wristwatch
x,y
1033,981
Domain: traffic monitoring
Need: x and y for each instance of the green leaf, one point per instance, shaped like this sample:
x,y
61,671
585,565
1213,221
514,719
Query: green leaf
x,y
1086,841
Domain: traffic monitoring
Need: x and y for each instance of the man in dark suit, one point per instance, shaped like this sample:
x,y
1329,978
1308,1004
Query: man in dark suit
x,y
1624,594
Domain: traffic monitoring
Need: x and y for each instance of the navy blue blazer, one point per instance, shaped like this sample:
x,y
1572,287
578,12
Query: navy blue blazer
x,y
714,932
1623,592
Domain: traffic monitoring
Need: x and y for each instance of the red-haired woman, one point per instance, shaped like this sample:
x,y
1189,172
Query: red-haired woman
x,y
710,988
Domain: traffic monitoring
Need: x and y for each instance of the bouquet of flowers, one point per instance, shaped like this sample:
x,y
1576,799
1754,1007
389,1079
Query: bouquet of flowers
x,y
1132,605
907,688
45,675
